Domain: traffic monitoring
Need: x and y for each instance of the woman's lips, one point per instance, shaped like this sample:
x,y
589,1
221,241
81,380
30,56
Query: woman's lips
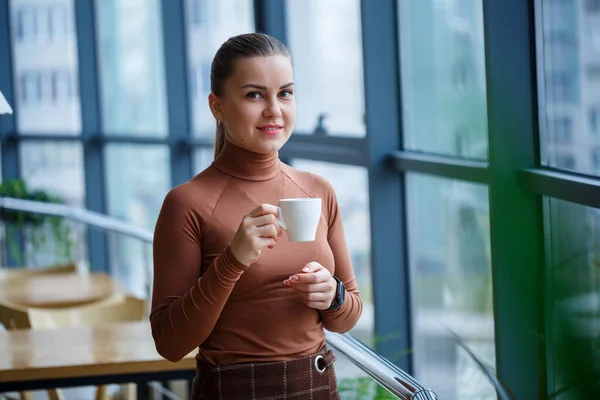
x,y
270,129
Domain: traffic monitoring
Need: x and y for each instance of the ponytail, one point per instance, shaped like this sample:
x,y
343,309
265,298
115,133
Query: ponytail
x,y
219,138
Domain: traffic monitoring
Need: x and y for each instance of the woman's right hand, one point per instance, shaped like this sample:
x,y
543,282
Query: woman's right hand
x,y
259,229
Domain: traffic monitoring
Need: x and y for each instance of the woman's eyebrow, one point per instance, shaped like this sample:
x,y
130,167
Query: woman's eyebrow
x,y
261,87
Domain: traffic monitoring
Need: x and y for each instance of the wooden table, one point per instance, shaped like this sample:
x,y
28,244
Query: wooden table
x,y
58,290
118,353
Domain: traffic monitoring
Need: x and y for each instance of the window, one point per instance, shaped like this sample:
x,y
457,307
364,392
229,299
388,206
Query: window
x,y
199,12
328,65
137,178
201,81
566,161
593,71
58,169
45,67
449,256
228,18
596,159
595,120
443,77
58,23
575,279
561,88
26,21
592,6
563,131
202,159
62,89
21,23
30,87
132,76
568,101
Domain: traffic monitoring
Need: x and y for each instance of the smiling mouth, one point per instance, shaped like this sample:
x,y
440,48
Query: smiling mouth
x,y
270,129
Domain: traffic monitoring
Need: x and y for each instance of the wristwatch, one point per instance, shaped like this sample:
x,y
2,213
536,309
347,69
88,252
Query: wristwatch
x,y
340,295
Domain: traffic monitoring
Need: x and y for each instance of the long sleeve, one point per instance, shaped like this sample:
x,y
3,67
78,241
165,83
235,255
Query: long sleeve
x,y
186,307
345,317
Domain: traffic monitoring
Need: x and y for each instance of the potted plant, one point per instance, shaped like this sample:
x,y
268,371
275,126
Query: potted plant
x,y
38,230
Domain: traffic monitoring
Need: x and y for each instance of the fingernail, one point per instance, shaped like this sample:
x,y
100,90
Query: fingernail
x,y
305,269
286,282
293,278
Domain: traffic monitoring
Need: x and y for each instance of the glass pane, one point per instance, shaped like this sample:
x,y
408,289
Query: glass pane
x,y
45,67
569,84
210,23
138,178
56,169
443,77
132,77
203,158
351,186
355,384
575,288
325,39
449,251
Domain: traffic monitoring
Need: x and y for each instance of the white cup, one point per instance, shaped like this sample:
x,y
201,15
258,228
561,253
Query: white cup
x,y
300,218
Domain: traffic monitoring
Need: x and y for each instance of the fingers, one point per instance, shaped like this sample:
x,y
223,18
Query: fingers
x,y
265,220
267,231
309,287
314,285
266,242
320,274
264,209
317,300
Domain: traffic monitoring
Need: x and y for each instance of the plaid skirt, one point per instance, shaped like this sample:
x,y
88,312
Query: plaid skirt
x,y
311,377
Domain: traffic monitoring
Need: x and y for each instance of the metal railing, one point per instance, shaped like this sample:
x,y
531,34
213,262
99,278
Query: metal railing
x,y
389,376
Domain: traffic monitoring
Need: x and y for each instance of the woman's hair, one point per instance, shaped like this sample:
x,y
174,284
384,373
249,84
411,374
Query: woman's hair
x,y
241,46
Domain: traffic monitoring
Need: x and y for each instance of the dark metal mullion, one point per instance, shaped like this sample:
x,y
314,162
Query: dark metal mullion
x,y
171,141
11,165
571,187
517,236
319,151
389,252
174,30
24,137
91,125
270,18
467,170
98,139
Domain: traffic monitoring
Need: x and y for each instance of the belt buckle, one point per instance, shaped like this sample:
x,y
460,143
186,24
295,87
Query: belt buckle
x,y
317,366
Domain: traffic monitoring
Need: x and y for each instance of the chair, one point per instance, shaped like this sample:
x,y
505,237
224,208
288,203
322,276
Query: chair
x,y
111,310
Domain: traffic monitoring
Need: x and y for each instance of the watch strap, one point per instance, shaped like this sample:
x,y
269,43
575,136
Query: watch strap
x,y
340,294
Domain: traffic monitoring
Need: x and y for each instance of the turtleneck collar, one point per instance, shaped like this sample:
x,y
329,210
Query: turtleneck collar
x,y
248,165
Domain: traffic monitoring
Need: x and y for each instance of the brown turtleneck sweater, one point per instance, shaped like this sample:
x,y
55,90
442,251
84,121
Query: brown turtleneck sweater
x,y
203,297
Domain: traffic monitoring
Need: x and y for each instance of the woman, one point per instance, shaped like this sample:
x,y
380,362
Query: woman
x,y
226,278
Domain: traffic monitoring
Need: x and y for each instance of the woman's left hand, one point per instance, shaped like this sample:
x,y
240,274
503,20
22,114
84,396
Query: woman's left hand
x,y
315,285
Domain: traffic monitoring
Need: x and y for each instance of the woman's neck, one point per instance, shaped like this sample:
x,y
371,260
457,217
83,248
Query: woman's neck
x,y
245,164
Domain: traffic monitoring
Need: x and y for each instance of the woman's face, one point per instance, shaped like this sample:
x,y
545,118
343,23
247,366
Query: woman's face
x,y
258,106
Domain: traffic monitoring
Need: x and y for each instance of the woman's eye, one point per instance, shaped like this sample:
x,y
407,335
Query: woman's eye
x,y
253,95
286,93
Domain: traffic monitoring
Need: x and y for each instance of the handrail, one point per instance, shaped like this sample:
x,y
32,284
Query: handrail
x,y
388,375
392,378
77,214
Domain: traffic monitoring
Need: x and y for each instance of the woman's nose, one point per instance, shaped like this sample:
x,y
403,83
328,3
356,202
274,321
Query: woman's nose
x,y
272,109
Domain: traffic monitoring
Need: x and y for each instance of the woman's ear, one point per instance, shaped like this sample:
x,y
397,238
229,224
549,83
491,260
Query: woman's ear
x,y
214,103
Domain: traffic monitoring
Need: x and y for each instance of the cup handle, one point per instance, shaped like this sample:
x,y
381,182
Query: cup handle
x,y
280,217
